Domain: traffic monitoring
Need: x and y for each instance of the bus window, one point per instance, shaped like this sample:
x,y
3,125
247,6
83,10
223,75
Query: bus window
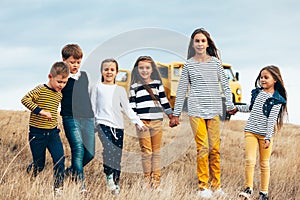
x,y
122,77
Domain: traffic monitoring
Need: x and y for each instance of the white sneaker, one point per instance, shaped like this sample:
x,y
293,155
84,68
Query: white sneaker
x,y
205,193
110,182
116,191
219,192
58,192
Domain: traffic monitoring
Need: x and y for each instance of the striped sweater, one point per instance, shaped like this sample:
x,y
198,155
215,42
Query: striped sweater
x,y
258,123
42,98
204,79
142,103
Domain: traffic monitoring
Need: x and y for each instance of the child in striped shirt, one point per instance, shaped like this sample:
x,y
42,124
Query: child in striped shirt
x,y
43,102
204,73
149,101
267,110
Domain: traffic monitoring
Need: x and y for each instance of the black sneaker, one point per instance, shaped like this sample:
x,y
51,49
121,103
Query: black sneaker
x,y
246,194
263,196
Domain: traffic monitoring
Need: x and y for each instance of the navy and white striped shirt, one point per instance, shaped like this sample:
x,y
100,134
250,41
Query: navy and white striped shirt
x,y
205,99
258,123
143,104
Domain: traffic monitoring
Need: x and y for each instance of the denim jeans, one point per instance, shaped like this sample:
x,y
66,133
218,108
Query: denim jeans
x,y
42,139
81,137
112,142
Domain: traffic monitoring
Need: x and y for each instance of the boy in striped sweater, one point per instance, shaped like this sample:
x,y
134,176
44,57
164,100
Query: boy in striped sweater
x,y
43,102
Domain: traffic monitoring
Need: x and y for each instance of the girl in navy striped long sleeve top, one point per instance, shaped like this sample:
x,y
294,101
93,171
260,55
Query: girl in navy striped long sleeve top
x,y
149,101
267,110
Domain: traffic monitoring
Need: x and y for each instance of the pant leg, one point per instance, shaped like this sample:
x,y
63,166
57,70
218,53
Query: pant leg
x,y
88,137
38,145
56,150
156,136
105,137
213,130
146,149
198,126
117,154
74,136
264,157
251,144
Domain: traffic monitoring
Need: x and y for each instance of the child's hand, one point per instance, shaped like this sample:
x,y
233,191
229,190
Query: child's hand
x,y
46,114
174,121
267,144
143,128
233,111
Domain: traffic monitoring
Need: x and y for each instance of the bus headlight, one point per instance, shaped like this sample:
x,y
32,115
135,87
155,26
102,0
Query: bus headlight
x,y
238,91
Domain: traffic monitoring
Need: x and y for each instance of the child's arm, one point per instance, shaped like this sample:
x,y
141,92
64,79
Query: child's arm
x,y
29,102
226,89
129,111
164,101
181,91
272,121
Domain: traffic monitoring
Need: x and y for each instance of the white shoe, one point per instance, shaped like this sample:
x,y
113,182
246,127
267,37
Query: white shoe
x,y
110,182
58,192
205,193
116,191
219,192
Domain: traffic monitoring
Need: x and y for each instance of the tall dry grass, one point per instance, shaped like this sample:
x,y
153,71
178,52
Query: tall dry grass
x,y
179,179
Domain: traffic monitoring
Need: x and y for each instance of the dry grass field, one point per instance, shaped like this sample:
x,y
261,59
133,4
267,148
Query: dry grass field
x,y
179,181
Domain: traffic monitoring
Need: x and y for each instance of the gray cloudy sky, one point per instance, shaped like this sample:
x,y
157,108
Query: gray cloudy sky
x,y
250,34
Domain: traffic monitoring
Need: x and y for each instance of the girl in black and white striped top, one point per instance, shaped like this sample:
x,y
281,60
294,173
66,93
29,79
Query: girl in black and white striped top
x,y
267,110
149,101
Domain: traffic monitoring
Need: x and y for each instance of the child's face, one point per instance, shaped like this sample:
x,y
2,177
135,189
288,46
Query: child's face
x,y
145,70
267,81
200,44
74,64
58,82
109,72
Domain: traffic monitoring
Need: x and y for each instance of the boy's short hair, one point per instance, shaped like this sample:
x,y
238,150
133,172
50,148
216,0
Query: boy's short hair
x,y
71,50
60,68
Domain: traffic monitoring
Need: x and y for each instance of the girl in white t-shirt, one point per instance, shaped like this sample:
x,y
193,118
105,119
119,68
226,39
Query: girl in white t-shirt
x,y
109,101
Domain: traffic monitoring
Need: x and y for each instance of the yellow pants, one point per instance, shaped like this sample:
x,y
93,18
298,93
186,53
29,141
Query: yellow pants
x,y
252,141
150,142
207,137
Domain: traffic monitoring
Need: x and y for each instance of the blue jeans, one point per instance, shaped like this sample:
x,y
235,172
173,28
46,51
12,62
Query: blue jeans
x,y
81,137
112,150
42,139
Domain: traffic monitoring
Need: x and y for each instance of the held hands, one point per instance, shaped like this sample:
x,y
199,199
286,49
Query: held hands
x,y
46,114
233,111
142,129
174,121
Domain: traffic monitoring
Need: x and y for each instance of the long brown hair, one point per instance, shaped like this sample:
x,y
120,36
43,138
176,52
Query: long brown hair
x,y
279,86
136,78
211,49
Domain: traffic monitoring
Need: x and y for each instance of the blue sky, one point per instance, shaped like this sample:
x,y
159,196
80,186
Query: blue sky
x,y
249,34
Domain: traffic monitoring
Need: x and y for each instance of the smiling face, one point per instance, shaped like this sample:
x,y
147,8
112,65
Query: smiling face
x,y
267,81
74,64
145,70
109,72
200,44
